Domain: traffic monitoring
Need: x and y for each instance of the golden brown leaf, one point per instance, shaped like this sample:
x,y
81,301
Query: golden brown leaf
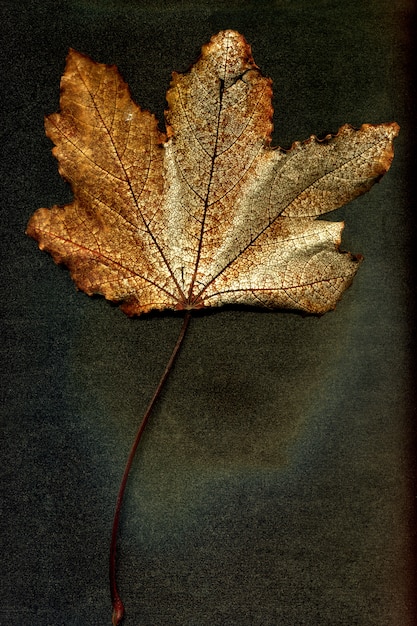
x,y
209,214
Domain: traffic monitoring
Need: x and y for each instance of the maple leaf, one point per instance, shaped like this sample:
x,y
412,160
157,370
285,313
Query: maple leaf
x,y
208,213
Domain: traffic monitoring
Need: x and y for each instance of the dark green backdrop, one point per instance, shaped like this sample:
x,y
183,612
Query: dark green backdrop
x,y
274,485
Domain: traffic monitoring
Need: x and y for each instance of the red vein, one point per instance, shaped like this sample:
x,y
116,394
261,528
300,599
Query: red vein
x,y
272,221
100,256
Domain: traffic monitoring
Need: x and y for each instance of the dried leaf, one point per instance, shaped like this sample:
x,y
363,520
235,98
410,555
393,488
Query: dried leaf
x,y
208,214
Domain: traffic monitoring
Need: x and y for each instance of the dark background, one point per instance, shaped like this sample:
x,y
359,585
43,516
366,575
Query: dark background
x,y
275,483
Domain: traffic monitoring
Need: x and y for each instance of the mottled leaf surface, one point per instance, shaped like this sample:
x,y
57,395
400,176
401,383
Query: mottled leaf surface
x,y
207,214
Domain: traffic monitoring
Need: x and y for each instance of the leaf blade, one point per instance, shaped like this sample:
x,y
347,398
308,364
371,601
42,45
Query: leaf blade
x,y
308,273
350,163
104,236
208,214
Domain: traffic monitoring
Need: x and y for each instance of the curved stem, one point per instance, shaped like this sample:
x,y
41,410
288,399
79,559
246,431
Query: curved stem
x,y
118,608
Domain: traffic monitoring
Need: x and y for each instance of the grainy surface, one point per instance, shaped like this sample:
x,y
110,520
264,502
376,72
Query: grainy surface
x,y
273,485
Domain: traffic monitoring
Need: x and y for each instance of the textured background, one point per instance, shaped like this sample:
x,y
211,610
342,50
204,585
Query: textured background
x,y
274,485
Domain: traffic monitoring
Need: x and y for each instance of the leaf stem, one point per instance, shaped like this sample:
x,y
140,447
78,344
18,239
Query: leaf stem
x,y
118,608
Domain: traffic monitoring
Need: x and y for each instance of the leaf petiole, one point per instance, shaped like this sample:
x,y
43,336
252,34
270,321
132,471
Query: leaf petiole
x,y
117,604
